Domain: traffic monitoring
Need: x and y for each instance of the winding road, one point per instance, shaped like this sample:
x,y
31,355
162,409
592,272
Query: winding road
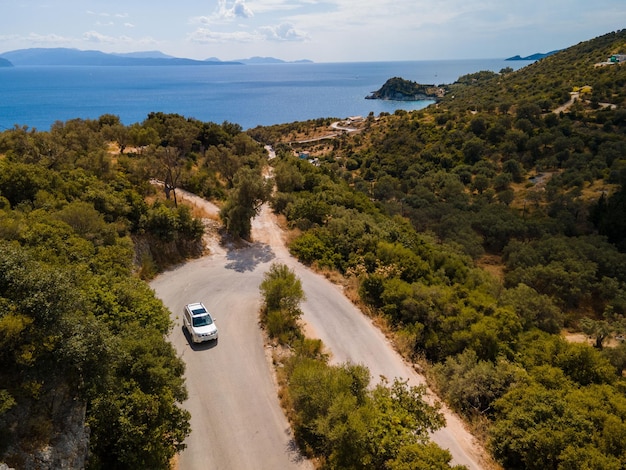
x,y
237,422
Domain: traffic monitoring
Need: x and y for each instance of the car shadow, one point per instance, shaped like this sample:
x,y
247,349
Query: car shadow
x,y
198,346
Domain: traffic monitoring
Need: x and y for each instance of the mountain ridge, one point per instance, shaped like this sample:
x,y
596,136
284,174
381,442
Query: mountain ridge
x,y
69,56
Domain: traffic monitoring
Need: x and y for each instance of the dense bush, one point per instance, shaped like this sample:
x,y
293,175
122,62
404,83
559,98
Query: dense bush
x,y
282,293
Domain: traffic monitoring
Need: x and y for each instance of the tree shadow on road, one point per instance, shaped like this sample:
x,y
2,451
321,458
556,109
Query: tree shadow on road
x,y
248,258
294,452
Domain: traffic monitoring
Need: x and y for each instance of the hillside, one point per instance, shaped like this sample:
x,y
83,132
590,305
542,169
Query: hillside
x,y
88,378
549,82
483,233
484,230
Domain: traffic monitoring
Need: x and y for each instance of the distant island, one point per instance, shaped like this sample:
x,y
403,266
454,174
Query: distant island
x,y
67,56
537,56
272,60
399,89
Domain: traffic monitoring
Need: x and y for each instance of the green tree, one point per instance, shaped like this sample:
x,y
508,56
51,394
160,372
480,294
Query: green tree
x,y
471,385
287,176
580,362
549,427
427,456
281,288
282,294
480,183
113,130
533,309
599,330
403,419
169,166
141,136
137,423
53,352
84,220
21,182
349,426
244,201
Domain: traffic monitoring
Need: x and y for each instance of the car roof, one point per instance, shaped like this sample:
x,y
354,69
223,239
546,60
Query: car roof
x,y
196,306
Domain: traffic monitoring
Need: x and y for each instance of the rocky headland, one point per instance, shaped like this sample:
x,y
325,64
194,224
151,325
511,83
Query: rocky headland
x,y
399,89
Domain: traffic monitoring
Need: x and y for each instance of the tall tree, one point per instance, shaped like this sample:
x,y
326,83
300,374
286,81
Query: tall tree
x,y
170,168
250,191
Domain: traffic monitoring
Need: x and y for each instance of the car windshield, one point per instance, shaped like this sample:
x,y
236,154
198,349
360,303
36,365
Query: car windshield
x,y
203,320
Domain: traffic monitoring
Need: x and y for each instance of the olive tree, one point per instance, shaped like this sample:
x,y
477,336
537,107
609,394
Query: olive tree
x,y
250,191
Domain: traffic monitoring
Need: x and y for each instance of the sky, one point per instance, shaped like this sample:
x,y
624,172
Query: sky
x,y
322,31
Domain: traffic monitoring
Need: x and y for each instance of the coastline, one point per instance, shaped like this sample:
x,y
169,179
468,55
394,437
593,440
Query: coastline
x,y
250,96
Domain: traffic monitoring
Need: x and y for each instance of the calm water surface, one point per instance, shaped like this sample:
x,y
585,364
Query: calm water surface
x,y
249,95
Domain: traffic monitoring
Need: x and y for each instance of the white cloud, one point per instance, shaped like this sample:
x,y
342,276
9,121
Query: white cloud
x,y
226,11
47,39
95,13
241,10
206,36
200,20
106,43
236,9
276,6
111,18
282,32
106,14
96,37
36,40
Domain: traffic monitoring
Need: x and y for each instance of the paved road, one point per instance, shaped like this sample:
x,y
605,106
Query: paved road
x,y
236,421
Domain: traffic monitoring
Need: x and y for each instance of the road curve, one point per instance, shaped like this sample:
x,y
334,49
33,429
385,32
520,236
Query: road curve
x,y
236,420
350,336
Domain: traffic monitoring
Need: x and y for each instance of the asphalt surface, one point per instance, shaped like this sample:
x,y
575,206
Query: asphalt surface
x,y
237,422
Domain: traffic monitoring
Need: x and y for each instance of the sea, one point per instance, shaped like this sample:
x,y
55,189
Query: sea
x,y
35,97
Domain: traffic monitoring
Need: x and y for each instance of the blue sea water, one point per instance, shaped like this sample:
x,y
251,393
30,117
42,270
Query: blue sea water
x,y
249,95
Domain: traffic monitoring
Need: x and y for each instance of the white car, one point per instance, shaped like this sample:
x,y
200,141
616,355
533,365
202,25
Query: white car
x,y
199,323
